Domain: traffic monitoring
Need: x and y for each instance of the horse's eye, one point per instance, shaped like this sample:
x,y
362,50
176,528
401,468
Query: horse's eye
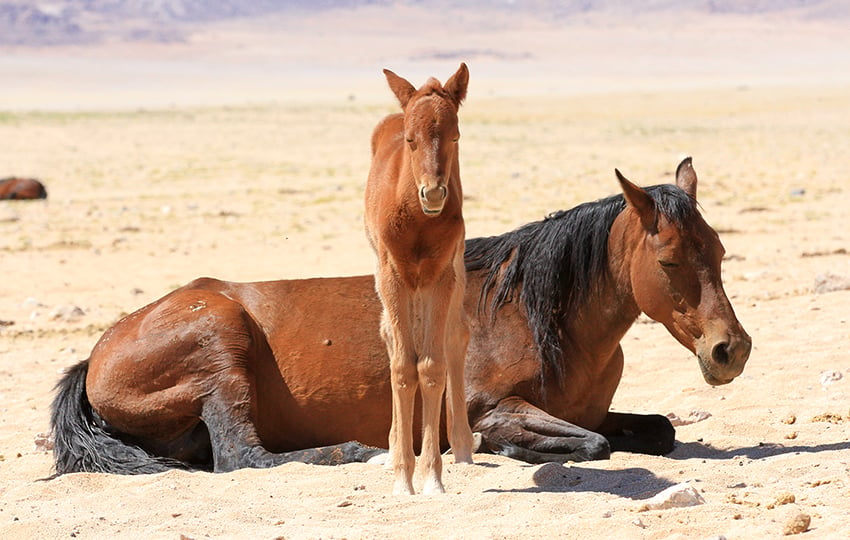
x,y
456,139
409,140
668,264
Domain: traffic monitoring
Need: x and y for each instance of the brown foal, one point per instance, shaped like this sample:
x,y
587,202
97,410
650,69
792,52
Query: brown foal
x,y
414,222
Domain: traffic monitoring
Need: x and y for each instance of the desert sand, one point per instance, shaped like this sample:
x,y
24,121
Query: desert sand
x,y
262,178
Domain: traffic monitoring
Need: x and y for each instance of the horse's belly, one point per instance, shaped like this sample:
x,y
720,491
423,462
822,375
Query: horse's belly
x,y
325,388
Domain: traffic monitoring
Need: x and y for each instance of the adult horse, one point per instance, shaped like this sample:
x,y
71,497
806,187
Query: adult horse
x,y
223,375
414,222
22,188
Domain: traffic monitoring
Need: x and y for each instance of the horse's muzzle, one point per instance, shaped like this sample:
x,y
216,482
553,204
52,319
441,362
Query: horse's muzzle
x,y
433,199
725,360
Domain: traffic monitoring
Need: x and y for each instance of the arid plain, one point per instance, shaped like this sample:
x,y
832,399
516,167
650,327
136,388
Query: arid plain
x,y
262,178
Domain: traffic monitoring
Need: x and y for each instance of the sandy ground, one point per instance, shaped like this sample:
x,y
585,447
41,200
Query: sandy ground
x,y
142,200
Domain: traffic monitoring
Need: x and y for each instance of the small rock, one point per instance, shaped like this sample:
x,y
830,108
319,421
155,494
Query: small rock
x,y
31,302
798,524
343,504
67,314
380,459
44,442
693,417
829,377
784,498
790,419
826,283
638,523
677,496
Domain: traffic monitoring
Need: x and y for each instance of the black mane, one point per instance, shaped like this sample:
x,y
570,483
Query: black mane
x,y
556,264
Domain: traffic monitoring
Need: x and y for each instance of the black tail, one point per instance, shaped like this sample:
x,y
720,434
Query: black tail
x,y
81,444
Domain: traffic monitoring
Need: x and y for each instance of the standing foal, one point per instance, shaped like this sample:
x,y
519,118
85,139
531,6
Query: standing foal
x,y
414,222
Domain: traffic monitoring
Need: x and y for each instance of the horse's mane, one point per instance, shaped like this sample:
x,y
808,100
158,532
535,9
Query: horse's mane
x,y
556,264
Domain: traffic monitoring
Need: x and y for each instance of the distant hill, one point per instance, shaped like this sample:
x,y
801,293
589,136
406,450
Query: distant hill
x,y
79,22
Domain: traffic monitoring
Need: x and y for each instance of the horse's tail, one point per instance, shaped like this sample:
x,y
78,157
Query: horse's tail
x,y
82,444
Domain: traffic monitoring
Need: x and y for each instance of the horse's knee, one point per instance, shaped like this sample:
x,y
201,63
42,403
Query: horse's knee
x,y
403,375
431,373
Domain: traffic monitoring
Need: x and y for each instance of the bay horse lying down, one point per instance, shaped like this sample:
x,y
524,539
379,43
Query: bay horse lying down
x,y
219,375
13,188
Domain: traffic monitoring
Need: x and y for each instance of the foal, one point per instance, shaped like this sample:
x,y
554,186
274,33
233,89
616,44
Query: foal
x,y
414,222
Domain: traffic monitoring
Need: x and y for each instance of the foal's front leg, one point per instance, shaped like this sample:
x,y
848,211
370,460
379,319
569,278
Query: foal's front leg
x,y
431,367
396,329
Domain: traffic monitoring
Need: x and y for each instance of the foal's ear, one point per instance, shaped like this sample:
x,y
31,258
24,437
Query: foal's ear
x,y
457,83
402,89
640,200
686,178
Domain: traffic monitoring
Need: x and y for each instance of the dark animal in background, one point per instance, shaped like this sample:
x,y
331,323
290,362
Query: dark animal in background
x,y
13,188
221,375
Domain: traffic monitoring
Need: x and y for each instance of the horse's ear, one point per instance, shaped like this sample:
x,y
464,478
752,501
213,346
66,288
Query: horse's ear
x,y
640,200
457,83
686,178
402,89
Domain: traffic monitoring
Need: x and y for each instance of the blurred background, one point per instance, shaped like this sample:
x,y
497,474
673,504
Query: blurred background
x,y
109,53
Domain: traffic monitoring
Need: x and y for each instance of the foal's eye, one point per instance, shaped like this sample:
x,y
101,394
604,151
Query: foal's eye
x,y
668,264
456,139
409,140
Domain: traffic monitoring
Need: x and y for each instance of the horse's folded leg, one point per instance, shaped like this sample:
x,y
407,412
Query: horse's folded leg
x,y
337,454
236,445
519,430
554,449
639,433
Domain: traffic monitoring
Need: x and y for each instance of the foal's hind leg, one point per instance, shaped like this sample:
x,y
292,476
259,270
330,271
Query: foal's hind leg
x,y
457,419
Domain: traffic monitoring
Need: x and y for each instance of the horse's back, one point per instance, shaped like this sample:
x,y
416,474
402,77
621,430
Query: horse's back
x,y
22,189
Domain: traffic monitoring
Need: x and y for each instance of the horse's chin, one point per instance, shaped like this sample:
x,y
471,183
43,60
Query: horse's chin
x,y
710,377
432,212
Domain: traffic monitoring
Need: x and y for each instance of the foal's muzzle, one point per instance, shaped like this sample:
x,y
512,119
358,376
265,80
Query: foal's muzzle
x,y
433,199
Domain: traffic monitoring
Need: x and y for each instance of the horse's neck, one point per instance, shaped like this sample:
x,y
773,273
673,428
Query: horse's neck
x,y
611,310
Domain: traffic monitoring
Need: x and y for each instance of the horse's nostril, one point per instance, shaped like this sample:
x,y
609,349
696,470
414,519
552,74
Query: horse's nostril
x,y
422,193
720,353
